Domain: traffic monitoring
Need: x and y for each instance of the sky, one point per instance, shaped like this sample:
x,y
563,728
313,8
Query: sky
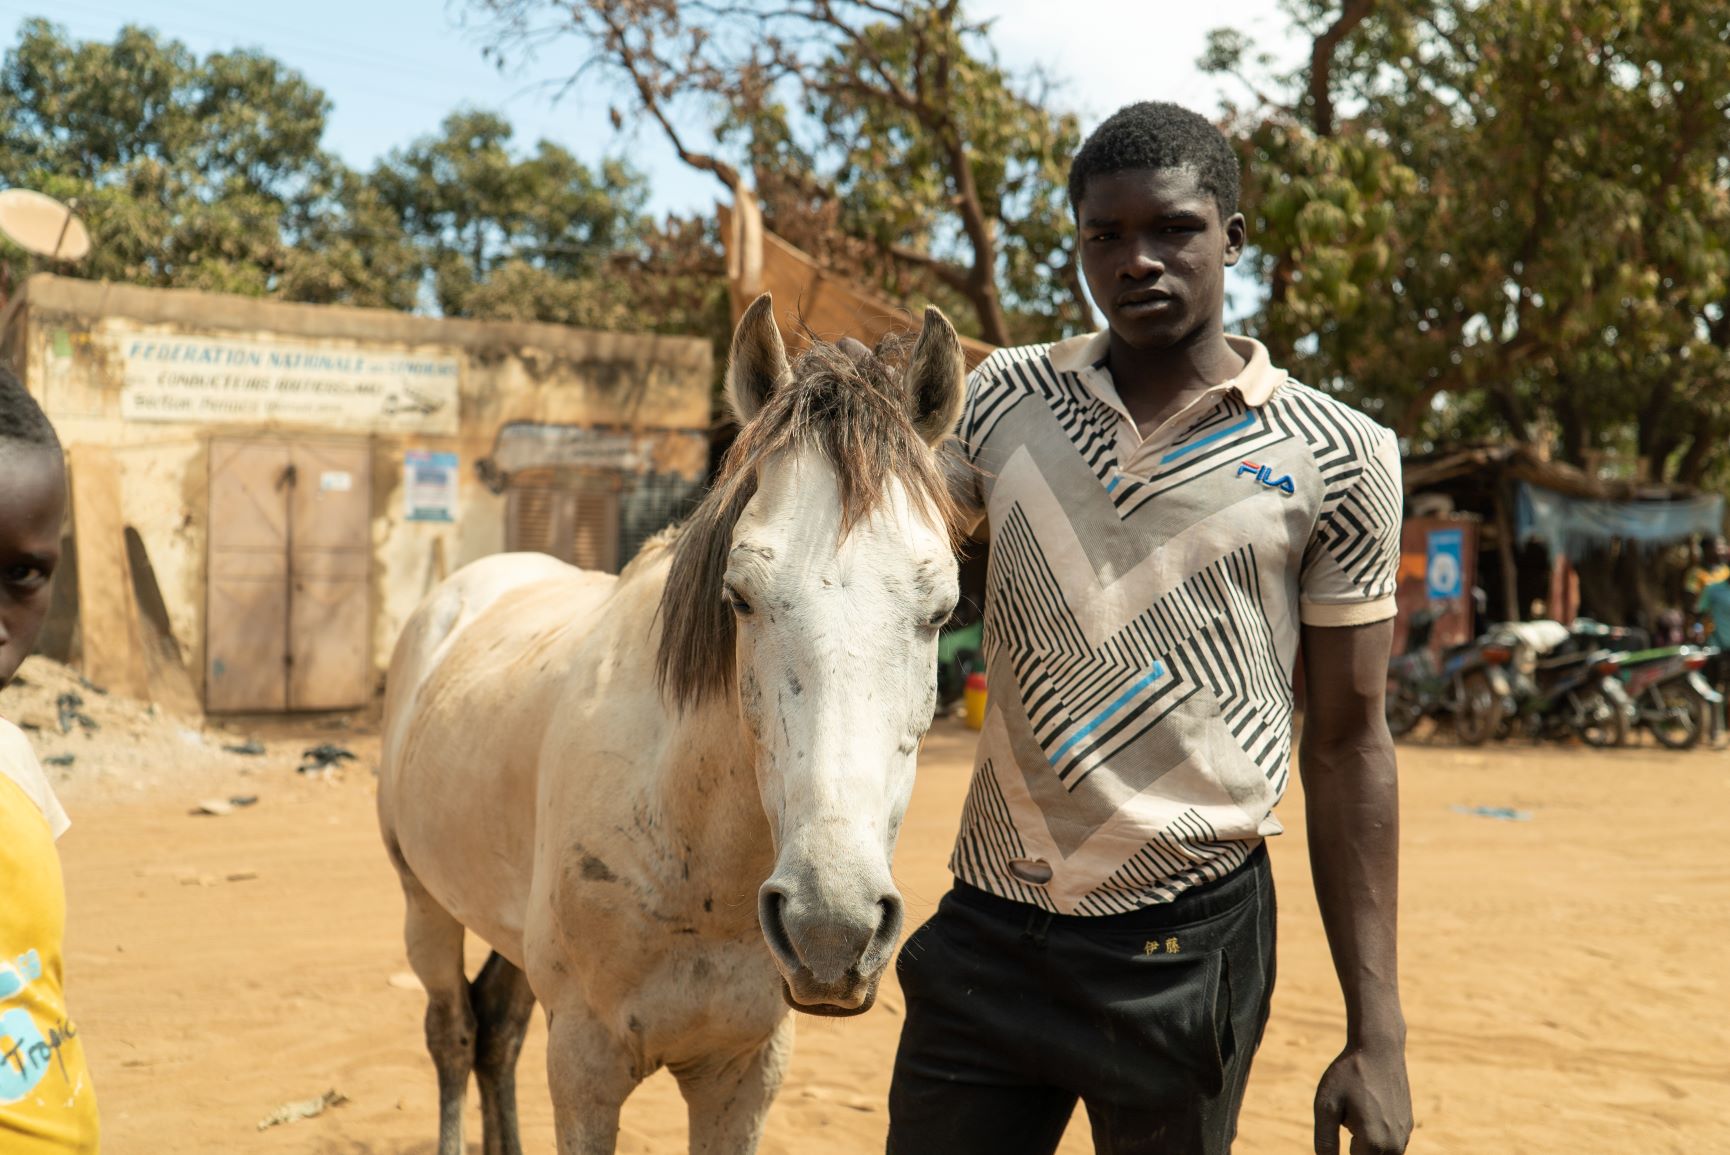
x,y
393,69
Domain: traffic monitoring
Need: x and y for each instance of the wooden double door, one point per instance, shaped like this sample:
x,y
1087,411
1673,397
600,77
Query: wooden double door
x,y
288,575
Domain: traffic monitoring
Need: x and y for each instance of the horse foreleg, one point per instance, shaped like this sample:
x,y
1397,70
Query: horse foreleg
x,y
502,1004
590,1073
729,1101
435,952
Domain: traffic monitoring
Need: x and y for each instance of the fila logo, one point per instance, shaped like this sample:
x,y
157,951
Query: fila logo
x,y
1264,474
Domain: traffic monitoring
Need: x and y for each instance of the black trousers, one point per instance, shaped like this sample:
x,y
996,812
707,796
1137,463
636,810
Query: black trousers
x,y
1150,1018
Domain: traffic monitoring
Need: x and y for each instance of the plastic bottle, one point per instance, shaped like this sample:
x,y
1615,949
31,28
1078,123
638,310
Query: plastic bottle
x,y
973,694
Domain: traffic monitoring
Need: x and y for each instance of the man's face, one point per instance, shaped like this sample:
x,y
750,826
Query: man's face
x,y
1718,551
32,506
1154,253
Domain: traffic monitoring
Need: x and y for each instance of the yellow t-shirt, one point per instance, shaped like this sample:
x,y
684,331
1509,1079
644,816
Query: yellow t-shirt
x,y
47,1105
1700,577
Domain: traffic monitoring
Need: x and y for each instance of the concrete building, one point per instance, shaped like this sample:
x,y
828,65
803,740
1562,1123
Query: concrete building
x,y
262,492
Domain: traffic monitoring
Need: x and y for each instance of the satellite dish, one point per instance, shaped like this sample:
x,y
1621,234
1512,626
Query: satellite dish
x,y
39,224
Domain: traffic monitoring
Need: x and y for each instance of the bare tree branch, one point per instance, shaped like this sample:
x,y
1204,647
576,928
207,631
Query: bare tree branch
x,y
1322,61
648,94
894,79
957,277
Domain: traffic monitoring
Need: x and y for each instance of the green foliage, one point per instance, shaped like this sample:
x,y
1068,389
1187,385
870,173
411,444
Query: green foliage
x,y
211,174
1519,226
512,238
202,174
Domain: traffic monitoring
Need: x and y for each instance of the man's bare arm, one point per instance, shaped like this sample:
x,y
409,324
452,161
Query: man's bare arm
x,y
1351,799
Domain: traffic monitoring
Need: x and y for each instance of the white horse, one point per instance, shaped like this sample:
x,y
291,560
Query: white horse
x,y
668,801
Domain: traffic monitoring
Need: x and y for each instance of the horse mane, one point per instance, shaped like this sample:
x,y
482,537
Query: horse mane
x,y
852,410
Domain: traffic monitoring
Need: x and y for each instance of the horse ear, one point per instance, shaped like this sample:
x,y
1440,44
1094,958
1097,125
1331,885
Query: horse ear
x,y
936,378
757,365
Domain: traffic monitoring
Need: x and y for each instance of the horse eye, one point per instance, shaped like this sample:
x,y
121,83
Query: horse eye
x,y
739,604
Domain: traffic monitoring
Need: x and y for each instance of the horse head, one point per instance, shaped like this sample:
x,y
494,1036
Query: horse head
x,y
831,567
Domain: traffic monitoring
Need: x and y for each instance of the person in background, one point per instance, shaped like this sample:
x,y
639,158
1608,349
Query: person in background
x,y
47,1105
1712,608
1671,628
1714,567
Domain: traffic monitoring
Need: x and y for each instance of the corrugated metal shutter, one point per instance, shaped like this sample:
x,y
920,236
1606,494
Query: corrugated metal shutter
x,y
570,515
595,530
529,516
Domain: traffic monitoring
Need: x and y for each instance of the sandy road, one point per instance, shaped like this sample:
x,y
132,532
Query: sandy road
x,y
1566,977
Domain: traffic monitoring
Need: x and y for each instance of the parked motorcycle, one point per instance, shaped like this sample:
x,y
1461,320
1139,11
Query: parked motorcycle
x,y
1670,693
1570,685
1467,684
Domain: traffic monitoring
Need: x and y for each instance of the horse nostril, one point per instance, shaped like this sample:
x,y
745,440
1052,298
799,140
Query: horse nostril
x,y
888,931
771,902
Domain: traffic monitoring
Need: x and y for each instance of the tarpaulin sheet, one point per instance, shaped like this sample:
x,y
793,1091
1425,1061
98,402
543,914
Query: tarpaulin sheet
x,y
1573,526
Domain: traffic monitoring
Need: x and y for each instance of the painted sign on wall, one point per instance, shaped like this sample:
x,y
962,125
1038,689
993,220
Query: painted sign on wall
x,y
1446,569
1438,568
223,380
429,485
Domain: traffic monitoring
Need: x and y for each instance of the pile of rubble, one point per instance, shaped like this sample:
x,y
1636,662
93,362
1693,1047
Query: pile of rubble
x,y
86,736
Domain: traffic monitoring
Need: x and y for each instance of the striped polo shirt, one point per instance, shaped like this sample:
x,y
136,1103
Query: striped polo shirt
x,y
1142,616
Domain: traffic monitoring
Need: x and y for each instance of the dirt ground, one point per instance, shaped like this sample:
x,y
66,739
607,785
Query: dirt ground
x,y
1564,964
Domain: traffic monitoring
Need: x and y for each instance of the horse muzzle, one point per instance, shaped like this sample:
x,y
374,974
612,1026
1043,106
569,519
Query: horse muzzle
x,y
830,954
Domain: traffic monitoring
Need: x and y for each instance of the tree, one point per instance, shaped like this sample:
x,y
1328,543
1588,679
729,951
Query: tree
x,y
881,134
1488,218
502,237
193,173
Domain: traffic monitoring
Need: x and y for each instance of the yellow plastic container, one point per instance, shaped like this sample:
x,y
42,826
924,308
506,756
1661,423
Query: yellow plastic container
x,y
973,697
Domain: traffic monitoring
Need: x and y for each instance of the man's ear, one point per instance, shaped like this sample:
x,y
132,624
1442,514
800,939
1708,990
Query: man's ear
x,y
1236,234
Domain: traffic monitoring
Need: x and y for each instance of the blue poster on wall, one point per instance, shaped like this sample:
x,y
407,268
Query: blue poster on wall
x,y
1446,568
429,485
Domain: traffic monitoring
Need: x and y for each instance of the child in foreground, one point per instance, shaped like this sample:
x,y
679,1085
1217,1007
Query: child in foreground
x,y
47,1105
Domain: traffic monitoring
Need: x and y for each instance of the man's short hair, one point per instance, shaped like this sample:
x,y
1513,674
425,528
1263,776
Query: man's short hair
x,y
1158,134
21,419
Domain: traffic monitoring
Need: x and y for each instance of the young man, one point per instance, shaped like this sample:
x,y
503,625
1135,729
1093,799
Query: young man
x,y
1169,517
47,1105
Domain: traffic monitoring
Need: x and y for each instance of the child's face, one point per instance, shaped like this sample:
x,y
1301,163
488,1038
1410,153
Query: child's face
x,y
32,507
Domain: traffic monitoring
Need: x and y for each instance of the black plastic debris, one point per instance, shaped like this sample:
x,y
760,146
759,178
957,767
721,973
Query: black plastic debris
x,y
324,757
252,747
71,709
60,759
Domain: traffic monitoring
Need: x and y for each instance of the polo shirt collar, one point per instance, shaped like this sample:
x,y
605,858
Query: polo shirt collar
x,y
1085,356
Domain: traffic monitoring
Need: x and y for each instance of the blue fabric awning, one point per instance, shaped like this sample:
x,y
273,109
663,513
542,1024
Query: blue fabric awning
x,y
1571,526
